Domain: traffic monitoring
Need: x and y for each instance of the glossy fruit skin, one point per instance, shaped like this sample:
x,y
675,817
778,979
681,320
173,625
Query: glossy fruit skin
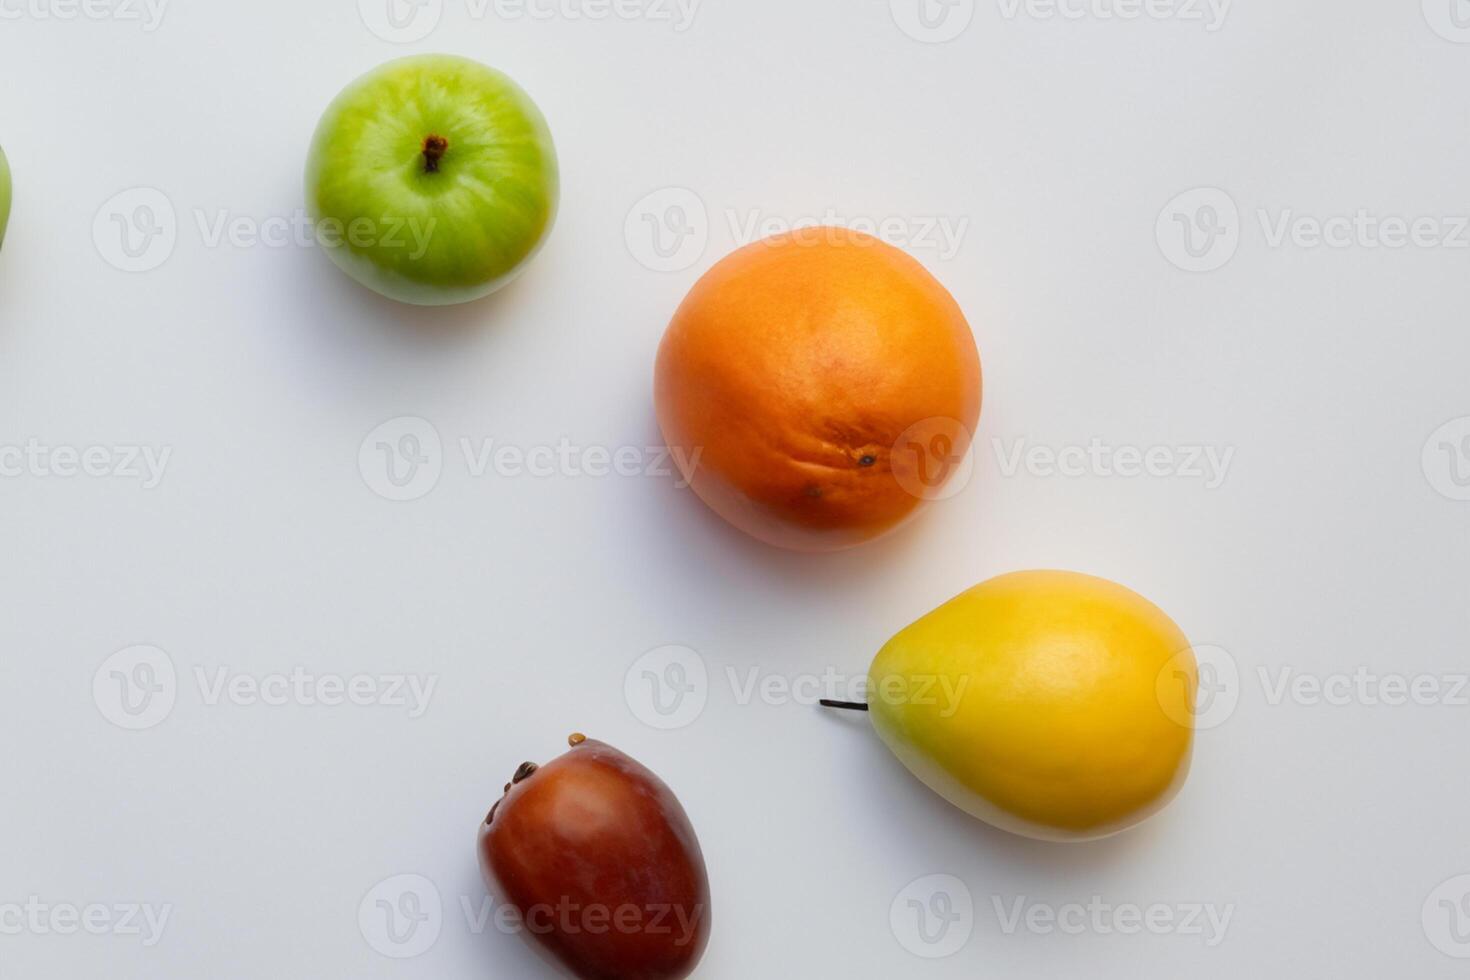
x,y
793,368
450,233
597,834
1074,717
4,195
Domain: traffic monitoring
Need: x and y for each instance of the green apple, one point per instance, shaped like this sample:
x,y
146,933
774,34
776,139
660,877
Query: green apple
x,y
432,180
4,195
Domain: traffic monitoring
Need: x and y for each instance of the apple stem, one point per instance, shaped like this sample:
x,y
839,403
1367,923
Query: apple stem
x,y
434,149
844,705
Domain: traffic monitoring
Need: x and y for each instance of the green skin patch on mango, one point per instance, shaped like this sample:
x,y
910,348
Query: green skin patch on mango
x,y
4,195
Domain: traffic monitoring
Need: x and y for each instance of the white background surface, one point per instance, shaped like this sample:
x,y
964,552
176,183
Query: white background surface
x,y
1056,143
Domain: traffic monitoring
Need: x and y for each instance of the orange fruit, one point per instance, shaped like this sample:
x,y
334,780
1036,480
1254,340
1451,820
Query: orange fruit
x,y
817,388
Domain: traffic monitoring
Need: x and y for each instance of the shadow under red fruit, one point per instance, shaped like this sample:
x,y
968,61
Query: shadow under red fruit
x,y
601,862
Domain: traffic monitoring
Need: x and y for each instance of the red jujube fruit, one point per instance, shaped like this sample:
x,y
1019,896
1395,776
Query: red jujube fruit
x,y
601,863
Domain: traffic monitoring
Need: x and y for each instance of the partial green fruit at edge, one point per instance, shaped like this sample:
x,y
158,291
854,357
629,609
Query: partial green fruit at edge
x,y
432,180
4,195
1050,704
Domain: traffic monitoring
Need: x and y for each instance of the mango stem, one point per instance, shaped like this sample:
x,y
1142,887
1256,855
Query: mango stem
x,y
844,705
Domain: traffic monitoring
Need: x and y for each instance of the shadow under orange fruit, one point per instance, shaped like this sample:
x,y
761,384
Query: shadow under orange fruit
x,y
818,387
